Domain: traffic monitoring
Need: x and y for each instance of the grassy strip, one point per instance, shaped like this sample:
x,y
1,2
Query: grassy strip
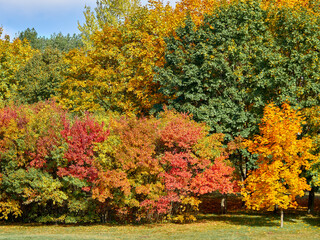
x,y
235,226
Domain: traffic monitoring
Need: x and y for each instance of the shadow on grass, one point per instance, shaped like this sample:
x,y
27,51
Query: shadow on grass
x,y
249,219
252,220
312,220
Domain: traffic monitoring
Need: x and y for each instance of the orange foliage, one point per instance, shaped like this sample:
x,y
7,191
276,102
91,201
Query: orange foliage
x,y
282,156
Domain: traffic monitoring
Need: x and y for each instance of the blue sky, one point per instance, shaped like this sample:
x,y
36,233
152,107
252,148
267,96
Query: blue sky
x,y
46,16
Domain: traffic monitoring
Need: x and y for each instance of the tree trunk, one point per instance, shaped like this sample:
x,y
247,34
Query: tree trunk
x,y
311,201
275,210
243,168
243,174
224,204
281,221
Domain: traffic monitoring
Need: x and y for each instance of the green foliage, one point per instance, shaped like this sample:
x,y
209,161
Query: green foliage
x,y
34,186
312,130
31,36
41,76
63,43
239,59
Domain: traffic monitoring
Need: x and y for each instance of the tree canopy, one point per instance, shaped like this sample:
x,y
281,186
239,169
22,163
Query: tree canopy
x,y
240,58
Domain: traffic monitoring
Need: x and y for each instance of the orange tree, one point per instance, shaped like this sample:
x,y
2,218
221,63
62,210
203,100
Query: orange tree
x,y
282,156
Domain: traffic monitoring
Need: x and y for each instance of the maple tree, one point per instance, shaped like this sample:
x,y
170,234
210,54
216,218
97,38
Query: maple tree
x,y
59,168
80,153
190,169
282,156
77,167
29,137
152,168
138,155
48,163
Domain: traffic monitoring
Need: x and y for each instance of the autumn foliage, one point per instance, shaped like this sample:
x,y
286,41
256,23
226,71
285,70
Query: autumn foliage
x,y
55,167
282,156
99,143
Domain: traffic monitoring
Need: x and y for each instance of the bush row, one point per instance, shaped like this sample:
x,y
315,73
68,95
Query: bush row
x,y
59,168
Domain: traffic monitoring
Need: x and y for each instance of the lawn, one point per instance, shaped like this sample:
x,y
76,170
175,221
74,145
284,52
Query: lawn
x,y
209,226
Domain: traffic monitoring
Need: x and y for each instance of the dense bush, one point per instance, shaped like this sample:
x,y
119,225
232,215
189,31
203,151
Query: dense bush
x,y
59,168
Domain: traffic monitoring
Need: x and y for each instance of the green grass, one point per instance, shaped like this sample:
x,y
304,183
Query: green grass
x,y
233,226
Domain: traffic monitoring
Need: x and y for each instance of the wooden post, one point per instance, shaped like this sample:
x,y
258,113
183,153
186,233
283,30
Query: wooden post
x,y
281,222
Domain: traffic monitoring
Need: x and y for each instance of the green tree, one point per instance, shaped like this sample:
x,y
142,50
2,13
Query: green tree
x,y
32,37
40,78
239,59
64,43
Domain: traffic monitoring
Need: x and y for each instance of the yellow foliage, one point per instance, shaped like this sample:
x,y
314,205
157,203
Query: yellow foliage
x,y
282,156
112,12
13,56
210,146
286,3
9,206
117,73
188,206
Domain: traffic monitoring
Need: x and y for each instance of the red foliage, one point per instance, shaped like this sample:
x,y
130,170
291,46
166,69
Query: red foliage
x,y
80,138
179,172
186,173
47,137
182,133
218,177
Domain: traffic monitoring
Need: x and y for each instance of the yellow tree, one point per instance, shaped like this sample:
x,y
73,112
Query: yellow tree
x,y
282,156
116,74
111,12
13,55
